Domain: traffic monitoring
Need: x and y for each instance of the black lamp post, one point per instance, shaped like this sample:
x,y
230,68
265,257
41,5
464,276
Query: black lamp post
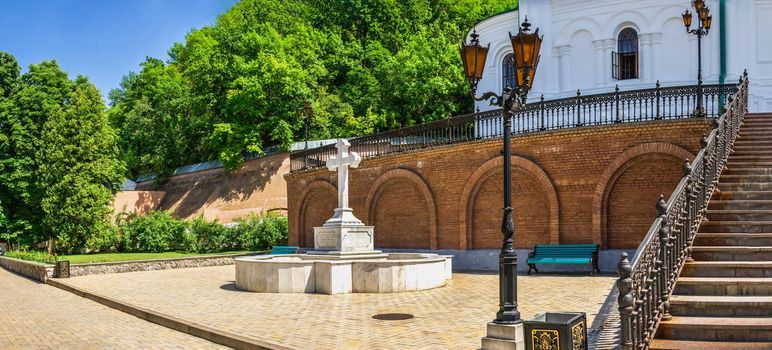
x,y
705,19
308,112
526,46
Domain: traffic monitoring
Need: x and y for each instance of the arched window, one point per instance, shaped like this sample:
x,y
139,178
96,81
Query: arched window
x,y
508,71
625,60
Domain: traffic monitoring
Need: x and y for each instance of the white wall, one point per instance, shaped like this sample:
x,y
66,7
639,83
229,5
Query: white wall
x,y
580,35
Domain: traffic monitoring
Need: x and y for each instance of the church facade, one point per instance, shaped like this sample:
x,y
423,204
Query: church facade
x,y
595,45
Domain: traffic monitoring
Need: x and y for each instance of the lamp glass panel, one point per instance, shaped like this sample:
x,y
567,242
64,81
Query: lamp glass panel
x,y
698,4
479,63
687,16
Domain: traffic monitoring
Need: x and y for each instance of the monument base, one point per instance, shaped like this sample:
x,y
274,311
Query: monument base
x,y
504,337
344,238
338,274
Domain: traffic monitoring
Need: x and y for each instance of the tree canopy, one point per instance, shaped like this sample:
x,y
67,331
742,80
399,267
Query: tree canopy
x,y
235,87
59,161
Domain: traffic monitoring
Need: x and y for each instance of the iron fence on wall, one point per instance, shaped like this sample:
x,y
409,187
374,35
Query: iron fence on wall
x,y
583,110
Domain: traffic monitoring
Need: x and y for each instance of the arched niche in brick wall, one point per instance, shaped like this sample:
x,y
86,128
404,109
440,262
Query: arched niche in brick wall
x,y
318,202
623,205
535,204
401,206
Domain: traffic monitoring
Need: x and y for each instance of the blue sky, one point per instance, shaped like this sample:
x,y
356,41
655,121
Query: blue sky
x,y
101,39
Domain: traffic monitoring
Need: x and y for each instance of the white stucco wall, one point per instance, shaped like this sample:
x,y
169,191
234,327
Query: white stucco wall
x,y
580,35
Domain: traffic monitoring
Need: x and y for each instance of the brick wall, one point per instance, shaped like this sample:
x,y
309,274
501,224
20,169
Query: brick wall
x,y
138,202
596,184
258,186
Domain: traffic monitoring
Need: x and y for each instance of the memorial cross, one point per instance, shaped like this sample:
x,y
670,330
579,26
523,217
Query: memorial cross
x,y
342,162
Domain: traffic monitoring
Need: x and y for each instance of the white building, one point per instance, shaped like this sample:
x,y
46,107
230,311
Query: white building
x,y
583,39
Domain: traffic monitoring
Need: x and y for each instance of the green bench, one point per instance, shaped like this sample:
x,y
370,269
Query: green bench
x,y
564,254
283,249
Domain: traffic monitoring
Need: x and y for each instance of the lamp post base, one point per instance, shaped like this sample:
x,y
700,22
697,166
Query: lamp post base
x,y
504,337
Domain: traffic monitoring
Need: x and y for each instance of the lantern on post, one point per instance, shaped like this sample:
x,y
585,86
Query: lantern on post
x,y
705,20
526,46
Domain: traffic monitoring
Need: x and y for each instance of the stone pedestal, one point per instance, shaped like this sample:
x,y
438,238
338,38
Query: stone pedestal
x,y
504,337
343,238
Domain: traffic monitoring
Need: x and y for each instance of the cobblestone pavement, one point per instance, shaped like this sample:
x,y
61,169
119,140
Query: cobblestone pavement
x,y
453,317
37,316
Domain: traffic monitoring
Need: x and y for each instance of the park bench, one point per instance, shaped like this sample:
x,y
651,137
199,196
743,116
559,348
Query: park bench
x,y
564,254
283,249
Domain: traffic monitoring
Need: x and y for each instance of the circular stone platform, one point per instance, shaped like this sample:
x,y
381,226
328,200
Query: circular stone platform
x,y
308,273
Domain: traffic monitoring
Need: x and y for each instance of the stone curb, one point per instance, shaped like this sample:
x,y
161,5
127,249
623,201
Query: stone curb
x,y
197,330
77,270
30,269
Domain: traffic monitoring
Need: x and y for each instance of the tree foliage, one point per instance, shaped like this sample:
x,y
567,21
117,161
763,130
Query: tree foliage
x,y
235,87
59,164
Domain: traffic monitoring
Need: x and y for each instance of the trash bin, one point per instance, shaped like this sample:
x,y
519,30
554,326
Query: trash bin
x,y
62,269
556,331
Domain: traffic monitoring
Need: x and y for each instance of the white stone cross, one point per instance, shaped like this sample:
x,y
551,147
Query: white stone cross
x,y
342,162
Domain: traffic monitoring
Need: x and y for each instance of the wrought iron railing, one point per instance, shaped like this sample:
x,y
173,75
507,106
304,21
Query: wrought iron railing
x,y
645,284
608,108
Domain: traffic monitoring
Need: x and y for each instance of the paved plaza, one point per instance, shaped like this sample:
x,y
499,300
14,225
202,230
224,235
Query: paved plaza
x,y
453,317
38,316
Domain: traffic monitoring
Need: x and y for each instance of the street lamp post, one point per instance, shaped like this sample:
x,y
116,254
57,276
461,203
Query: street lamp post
x,y
704,20
307,112
526,46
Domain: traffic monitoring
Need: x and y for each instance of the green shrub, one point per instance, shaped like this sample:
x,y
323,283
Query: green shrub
x,y
155,233
38,256
261,231
106,240
209,237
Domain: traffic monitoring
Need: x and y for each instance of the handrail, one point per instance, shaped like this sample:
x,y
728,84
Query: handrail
x,y
608,108
645,284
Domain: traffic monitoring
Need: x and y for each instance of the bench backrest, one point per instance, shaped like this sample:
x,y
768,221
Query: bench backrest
x,y
565,250
282,249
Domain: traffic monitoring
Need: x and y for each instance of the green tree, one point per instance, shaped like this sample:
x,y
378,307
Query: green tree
x,y
363,64
40,93
79,168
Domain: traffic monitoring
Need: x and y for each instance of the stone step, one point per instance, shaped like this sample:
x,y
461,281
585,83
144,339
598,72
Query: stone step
x,y
730,164
740,204
721,306
740,215
745,329
745,186
754,133
736,226
732,253
753,137
728,286
727,269
747,171
743,178
733,239
743,195
743,143
670,344
751,158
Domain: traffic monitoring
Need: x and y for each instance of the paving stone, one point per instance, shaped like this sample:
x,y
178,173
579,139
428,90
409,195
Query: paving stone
x,y
38,316
452,317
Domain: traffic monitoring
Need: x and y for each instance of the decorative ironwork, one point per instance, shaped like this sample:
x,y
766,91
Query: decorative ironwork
x,y
578,337
645,284
545,339
582,110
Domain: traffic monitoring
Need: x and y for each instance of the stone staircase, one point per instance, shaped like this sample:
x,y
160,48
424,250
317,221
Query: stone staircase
x,y
723,299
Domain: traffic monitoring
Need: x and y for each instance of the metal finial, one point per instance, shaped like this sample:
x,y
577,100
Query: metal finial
x,y
661,205
687,168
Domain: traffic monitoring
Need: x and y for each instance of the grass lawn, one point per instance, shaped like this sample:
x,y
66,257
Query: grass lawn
x,y
112,257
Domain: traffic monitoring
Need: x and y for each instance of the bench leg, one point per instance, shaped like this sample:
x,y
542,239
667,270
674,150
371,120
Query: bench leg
x,y
594,267
532,267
